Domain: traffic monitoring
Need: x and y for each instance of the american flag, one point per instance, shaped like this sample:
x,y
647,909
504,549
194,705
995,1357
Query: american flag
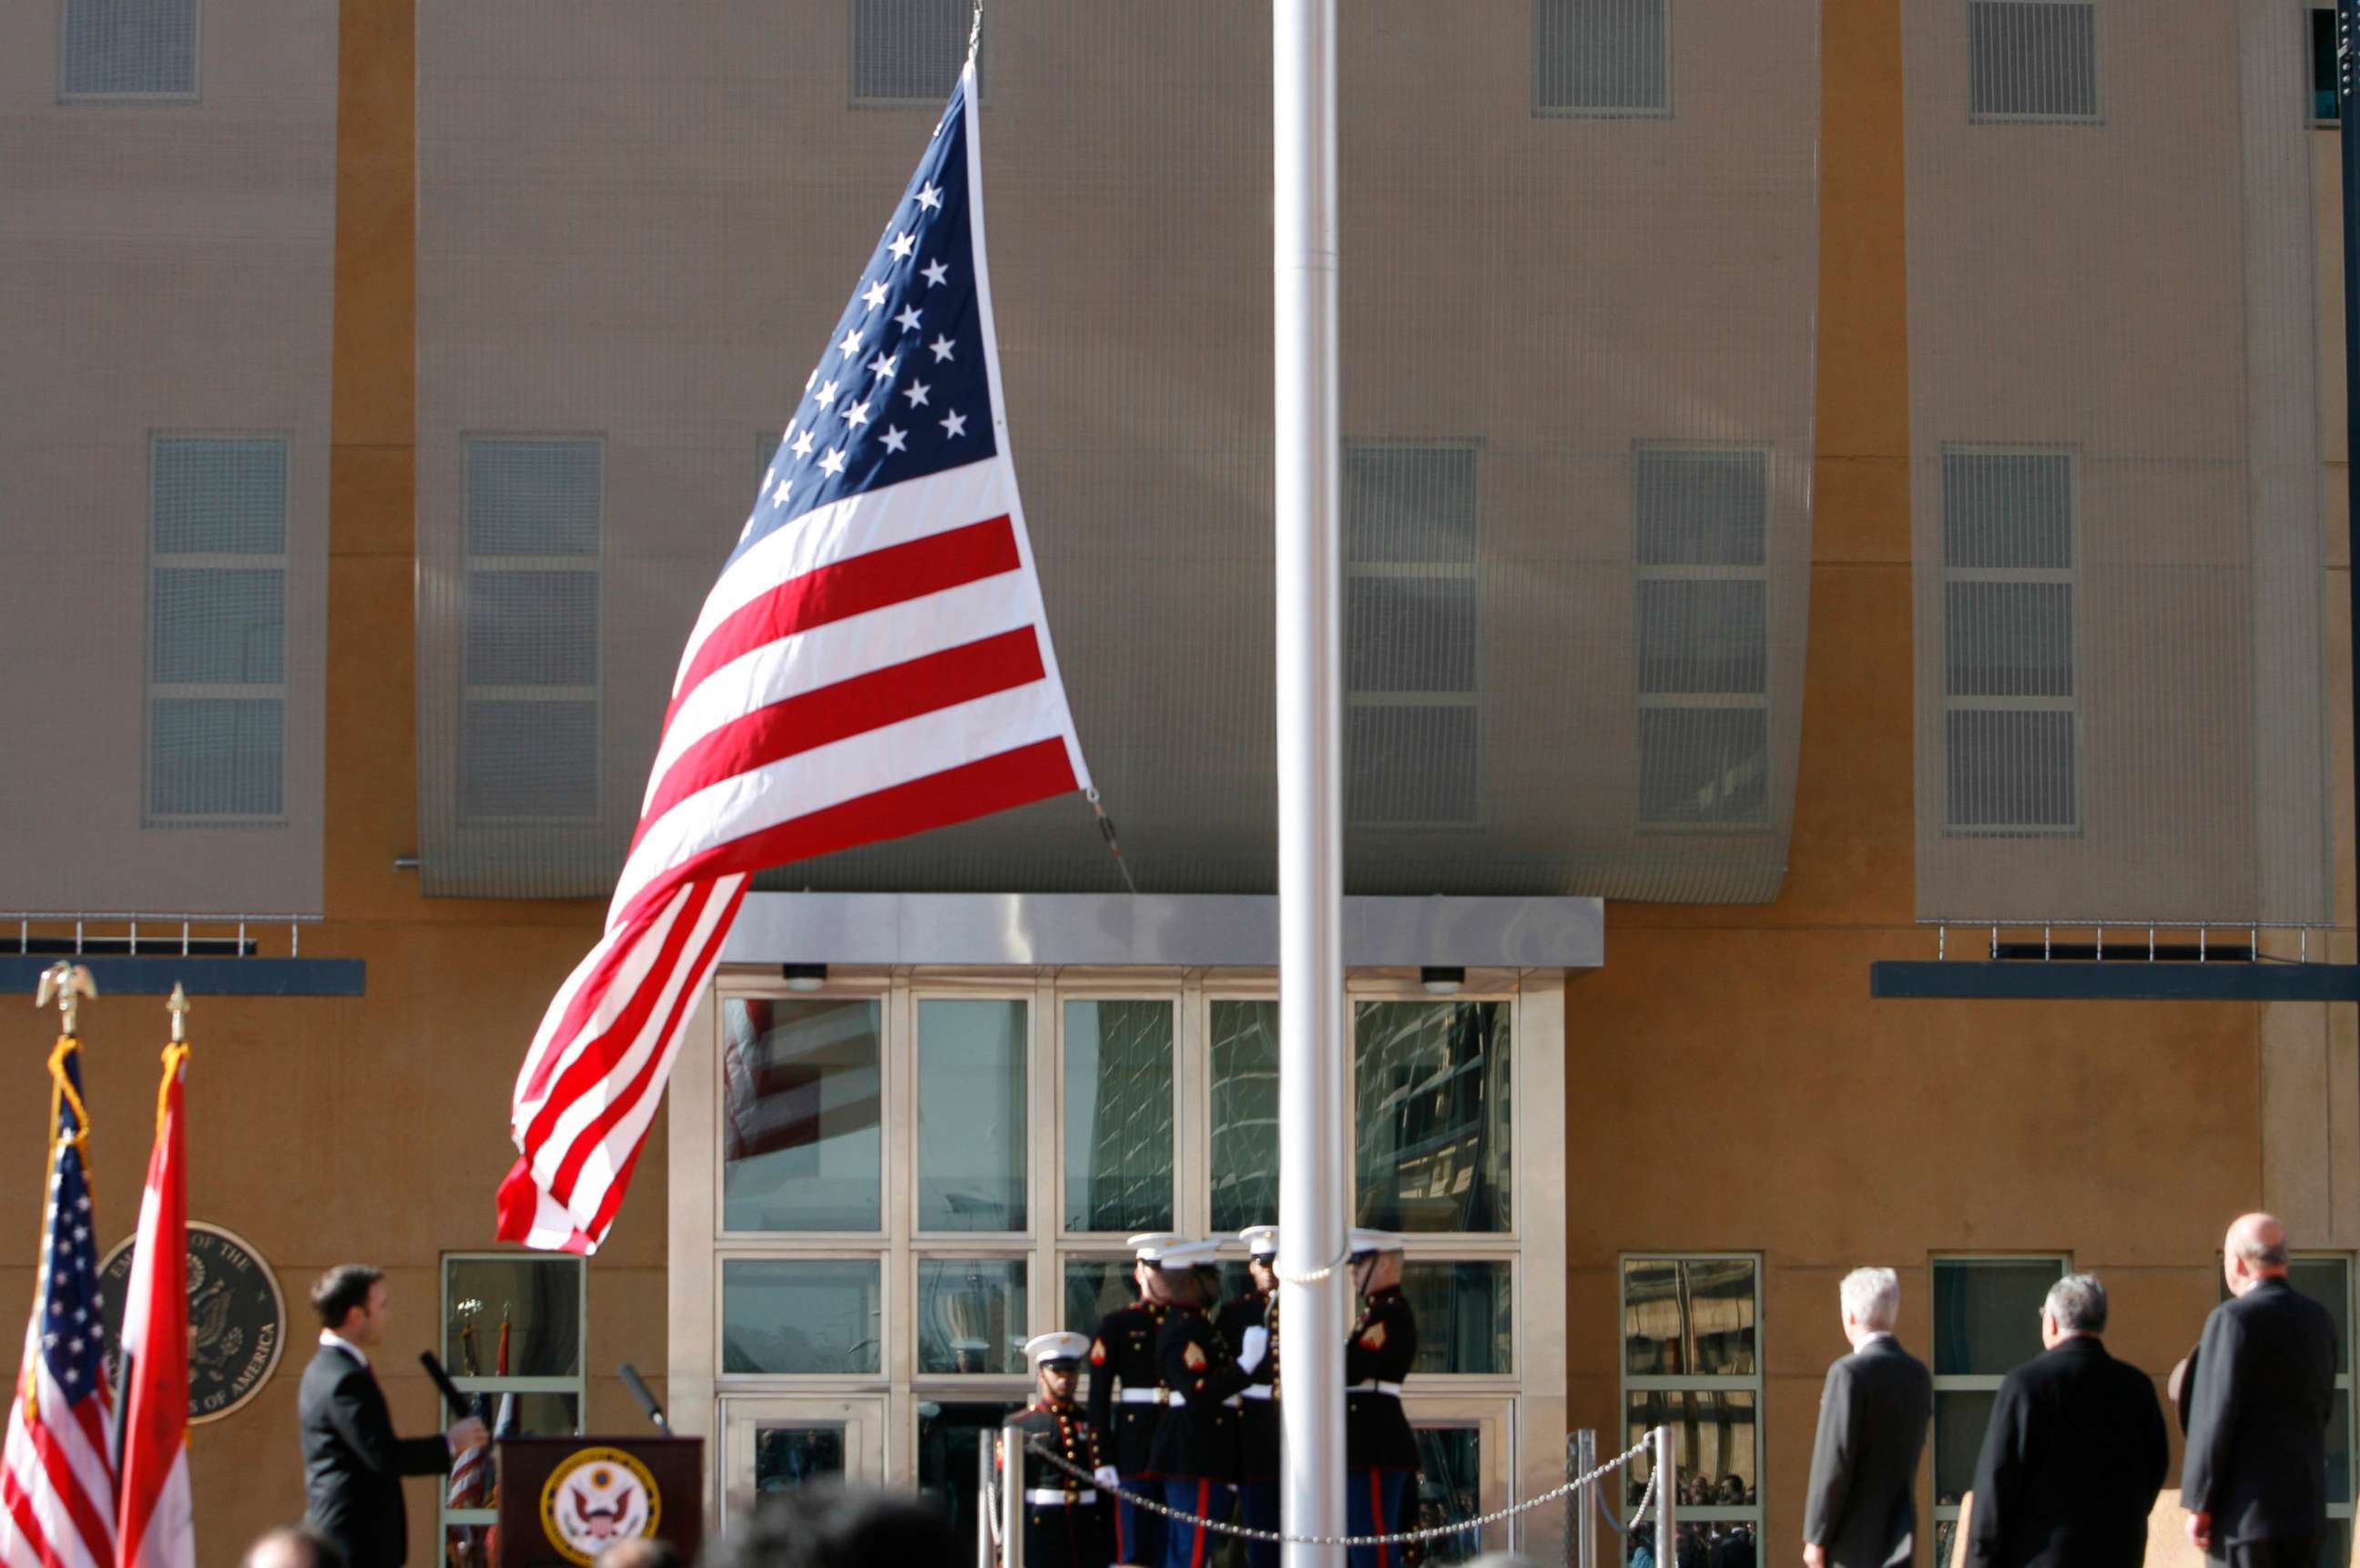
x,y
873,662
57,1469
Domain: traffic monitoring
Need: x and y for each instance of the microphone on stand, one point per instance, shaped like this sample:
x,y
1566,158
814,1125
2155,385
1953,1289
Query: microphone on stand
x,y
639,1388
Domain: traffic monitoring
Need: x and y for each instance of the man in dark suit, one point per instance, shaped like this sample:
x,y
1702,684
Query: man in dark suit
x,y
2076,1450
2255,1481
1861,1510
353,1464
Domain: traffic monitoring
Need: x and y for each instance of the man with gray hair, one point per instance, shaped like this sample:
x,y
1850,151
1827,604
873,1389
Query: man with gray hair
x,y
2255,1481
1861,1510
2075,1452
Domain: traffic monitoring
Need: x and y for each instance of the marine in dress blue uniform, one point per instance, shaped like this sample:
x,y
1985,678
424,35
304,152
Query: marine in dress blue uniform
x,y
1258,1430
1127,1399
1379,1449
1197,1446
1068,1523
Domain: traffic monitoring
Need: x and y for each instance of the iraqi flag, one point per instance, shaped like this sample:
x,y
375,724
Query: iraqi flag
x,y
153,1529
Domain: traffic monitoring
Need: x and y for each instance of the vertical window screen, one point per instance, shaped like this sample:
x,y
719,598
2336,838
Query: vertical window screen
x,y
1602,56
1704,636
2012,721
217,629
1411,648
2033,59
529,719
128,48
909,51
1692,1361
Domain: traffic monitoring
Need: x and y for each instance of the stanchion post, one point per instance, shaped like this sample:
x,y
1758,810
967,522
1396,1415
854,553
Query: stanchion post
x,y
1581,1520
1668,1482
1012,1501
983,1505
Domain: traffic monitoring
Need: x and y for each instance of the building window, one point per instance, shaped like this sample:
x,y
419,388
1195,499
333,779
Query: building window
x,y
2325,103
217,630
127,49
1692,1362
2326,1279
2012,718
1602,57
972,1096
1986,1322
2032,60
1430,1083
1702,523
908,53
513,1332
1117,1109
1244,1051
1411,648
802,1135
529,713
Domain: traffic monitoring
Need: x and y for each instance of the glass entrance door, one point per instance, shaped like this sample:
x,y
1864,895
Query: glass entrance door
x,y
1463,1470
776,1444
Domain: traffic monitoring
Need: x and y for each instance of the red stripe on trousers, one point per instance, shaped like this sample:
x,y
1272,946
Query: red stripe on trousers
x,y
895,575
1204,1507
955,795
1383,1524
807,720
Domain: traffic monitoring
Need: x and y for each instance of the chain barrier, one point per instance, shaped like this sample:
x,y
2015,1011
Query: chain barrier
x,y
1399,1538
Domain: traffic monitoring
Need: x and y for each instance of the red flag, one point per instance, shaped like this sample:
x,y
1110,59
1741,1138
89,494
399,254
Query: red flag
x,y
153,1528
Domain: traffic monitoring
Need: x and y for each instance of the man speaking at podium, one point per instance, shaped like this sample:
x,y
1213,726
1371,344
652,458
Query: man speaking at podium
x,y
353,1464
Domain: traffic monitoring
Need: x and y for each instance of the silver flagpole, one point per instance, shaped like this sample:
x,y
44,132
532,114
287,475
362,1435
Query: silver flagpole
x,y
1309,468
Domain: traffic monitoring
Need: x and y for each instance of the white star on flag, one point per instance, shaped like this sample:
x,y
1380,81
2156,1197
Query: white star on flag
x,y
884,364
874,295
942,347
856,413
916,392
804,445
935,272
834,462
903,244
851,344
931,198
954,425
907,321
895,438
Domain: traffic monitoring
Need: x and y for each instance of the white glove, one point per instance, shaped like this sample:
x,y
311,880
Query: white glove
x,y
1105,1477
1250,1353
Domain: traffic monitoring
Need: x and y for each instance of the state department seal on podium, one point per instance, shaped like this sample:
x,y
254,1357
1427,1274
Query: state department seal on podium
x,y
594,1498
237,1319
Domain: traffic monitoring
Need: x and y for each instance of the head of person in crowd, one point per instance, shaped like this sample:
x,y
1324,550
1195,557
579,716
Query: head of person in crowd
x,y
1144,1249
1376,1262
1872,1304
351,1301
1056,1364
1732,1491
641,1552
2076,1306
293,1546
1262,1255
832,1526
1181,1268
2254,1250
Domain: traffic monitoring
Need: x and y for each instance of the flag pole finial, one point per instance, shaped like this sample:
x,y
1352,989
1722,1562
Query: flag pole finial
x,y
178,1008
68,985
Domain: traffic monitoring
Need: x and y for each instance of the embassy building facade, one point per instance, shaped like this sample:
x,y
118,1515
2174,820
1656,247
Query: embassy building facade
x,y
1824,485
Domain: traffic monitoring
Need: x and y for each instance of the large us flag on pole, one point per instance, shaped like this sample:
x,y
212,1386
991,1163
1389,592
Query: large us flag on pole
x,y
873,662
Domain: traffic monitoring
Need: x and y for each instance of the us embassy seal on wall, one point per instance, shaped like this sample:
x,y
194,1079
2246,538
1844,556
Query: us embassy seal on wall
x,y
237,1319
595,1497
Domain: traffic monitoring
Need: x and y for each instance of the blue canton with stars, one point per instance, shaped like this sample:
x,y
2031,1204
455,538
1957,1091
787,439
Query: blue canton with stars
x,y
72,1309
899,392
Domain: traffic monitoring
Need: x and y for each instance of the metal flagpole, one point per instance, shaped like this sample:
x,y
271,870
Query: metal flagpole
x,y
1308,464
2347,137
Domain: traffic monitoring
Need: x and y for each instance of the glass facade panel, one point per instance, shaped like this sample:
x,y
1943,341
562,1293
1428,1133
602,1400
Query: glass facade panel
x,y
2328,1281
533,1305
787,1457
1714,1442
1431,1091
1466,1315
1450,1482
948,1437
800,1315
1960,1415
971,1095
1117,1114
1245,1114
802,1105
1691,1317
971,1315
1987,1314
1093,1288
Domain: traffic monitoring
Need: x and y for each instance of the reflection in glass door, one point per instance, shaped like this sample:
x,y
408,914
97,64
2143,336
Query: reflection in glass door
x,y
1463,1468
781,1444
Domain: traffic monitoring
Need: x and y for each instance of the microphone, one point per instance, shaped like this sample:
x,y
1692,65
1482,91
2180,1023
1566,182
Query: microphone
x,y
639,1388
426,1358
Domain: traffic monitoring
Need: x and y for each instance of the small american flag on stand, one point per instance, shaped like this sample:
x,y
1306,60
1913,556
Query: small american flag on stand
x,y
873,662
57,1468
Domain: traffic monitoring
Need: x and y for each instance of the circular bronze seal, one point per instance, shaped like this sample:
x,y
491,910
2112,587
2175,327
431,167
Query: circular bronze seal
x,y
237,1319
594,1498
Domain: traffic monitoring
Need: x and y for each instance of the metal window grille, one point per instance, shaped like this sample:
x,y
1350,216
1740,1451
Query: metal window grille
x,y
530,669
2012,713
127,49
1412,652
1703,618
1602,56
2032,60
217,630
906,53
1968,1372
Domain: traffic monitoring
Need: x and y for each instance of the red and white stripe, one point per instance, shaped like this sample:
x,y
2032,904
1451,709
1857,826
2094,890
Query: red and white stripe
x,y
155,1528
56,1479
880,666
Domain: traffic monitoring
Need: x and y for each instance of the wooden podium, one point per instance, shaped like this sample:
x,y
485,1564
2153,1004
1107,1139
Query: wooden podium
x,y
564,1499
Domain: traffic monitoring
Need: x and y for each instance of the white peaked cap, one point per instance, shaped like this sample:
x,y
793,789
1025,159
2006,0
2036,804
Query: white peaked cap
x,y
1057,1347
1187,1255
1366,1242
1149,1245
1262,1241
